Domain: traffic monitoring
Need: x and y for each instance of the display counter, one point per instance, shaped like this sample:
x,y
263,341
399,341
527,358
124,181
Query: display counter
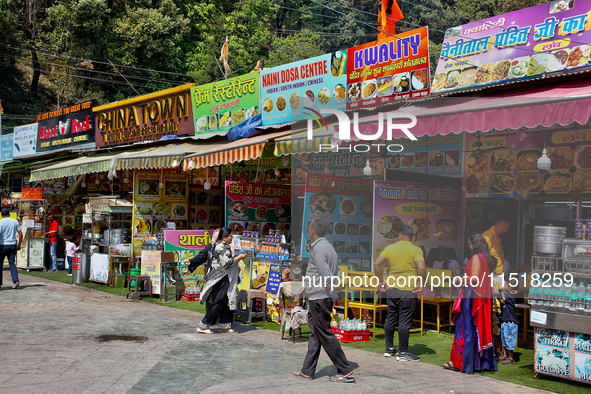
x,y
561,313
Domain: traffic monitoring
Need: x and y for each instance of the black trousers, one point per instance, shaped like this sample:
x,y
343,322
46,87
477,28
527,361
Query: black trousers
x,y
321,335
400,312
216,308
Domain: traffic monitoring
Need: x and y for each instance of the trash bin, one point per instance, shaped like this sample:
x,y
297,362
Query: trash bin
x,y
80,268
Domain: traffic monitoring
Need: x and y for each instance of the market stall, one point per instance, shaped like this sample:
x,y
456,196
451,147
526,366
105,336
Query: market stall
x,y
32,213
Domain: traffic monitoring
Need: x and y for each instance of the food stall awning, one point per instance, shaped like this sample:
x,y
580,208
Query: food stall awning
x,y
77,166
543,105
245,149
161,157
298,142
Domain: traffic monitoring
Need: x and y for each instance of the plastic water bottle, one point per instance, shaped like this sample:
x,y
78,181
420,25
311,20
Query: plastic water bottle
x,y
364,325
573,302
531,295
552,294
581,296
543,292
334,323
588,304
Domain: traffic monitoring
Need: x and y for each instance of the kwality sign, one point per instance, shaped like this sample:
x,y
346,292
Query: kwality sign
x,y
66,128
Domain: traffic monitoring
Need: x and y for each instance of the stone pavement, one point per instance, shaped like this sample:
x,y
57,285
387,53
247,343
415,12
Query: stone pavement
x,y
58,338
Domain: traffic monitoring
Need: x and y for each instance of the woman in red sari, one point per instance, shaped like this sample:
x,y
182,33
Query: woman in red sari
x,y
473,349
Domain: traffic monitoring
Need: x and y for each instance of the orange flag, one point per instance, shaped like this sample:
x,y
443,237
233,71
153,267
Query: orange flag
x,y
224,57
389,13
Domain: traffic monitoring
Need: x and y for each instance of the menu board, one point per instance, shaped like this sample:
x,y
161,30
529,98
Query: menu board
x,y
186,244
563,354
260,170
211,174
433,211
504,164
346,207
440,155
151,266
205,208
342,164
549,38
388,70
153,206
289,91
266,277
258,207
219,106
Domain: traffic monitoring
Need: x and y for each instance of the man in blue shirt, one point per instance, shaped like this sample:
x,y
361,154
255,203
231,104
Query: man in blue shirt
x,y
9,245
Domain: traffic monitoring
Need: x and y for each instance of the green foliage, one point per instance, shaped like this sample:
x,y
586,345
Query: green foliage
x,y
300,46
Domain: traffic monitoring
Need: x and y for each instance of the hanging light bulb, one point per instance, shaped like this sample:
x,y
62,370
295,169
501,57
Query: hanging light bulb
x,y
277,172
207,184
175,163
97,181
544,162
191,164
83,184
367,170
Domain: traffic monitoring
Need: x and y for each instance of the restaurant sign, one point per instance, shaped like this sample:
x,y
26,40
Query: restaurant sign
x,y
549,38
66,128
219,106
388,70
145,118
175,240
290,91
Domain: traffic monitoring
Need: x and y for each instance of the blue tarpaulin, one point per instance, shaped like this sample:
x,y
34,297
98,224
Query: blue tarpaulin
x,y
246,128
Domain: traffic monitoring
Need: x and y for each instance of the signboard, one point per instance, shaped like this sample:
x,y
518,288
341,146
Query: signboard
x,y
205,208
346,207
266,276
219,106
145,118
6,144
549,38
289,90
388,70
258,207
25,141
66,128
260,170
433,211
503,163
440,155
186,244
151,266
99,267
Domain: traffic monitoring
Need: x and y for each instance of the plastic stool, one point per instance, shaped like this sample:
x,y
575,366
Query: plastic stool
x,y
137,280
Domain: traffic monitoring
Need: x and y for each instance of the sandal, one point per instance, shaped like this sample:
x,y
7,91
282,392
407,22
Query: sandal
x,y
342,379
450,366
509,361
200,331
299,374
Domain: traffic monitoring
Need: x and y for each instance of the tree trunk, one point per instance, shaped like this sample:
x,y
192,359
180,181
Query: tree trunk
x,y
36,72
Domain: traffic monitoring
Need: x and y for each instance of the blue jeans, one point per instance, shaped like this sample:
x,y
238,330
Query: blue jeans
x,y
509,332
70,260
10,252
53,256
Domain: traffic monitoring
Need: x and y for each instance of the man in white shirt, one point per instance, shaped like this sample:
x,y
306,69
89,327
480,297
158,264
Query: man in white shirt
x,y
9,244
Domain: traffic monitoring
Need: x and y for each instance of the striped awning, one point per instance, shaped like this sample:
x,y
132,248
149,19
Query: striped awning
x,y
298,142
245,149
162,157
78,166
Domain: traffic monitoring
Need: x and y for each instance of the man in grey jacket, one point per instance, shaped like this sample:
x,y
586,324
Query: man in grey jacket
x,y
323,265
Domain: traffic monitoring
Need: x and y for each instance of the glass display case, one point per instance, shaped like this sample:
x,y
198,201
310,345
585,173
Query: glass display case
x,y
32,218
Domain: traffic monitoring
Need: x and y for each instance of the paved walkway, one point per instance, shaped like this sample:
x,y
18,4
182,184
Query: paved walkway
x,y
58,338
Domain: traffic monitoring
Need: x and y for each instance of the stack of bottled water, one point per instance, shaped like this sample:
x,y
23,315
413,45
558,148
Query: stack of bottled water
x,y
192,290
352,325
574,297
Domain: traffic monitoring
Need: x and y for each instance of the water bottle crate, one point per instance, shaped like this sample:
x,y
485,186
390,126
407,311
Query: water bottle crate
x,y
190,297
351,335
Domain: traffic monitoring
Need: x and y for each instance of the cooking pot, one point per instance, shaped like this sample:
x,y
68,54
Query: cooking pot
x,y
548,239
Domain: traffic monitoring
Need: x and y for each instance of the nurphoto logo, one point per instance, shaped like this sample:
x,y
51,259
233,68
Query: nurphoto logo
x,y
344,132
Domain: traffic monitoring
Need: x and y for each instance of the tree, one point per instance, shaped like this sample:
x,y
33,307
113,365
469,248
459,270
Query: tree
x,y
300,46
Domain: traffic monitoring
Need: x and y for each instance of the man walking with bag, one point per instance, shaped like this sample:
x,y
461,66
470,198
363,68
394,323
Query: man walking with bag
x,y
9,245
322,267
